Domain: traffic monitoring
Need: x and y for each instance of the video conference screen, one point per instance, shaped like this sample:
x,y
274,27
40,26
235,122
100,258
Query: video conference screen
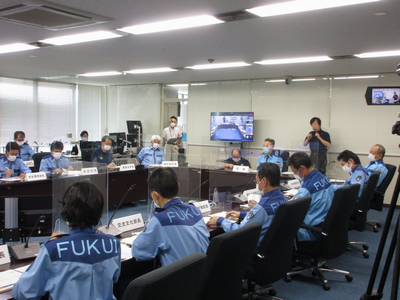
x,y
232,126
382,95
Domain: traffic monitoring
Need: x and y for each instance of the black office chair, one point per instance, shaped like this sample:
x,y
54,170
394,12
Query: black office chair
x,y
379,195
178,280
273,258
285,156
228,257
37,158
333,234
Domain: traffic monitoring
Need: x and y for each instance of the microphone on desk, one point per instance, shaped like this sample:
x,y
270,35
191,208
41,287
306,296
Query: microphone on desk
x,y
23,251
240,198
109,228
205,182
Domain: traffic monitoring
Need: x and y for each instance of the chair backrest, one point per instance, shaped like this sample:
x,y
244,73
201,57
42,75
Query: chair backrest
x,y
37,158
379,194
360,217
178,280
228,256
335,227
274,255
284,155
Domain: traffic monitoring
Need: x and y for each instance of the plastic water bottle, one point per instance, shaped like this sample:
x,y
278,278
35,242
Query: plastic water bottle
x,y
216,197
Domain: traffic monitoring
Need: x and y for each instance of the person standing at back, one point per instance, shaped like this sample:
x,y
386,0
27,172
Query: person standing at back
x,y
172,137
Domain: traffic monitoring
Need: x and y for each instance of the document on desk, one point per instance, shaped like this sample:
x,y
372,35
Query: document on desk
x,y
11,179
8,279
126,252
129,240
291,192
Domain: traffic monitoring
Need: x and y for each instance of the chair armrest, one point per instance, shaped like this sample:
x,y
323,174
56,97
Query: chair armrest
x,y
312,228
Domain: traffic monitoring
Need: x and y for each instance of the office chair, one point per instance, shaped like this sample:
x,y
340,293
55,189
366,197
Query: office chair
x,y
273,258
333,234
178,280
379,196
228,257
358,219
37,158
284,155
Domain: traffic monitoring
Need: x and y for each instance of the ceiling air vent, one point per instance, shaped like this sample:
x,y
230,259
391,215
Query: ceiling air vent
x,y
43,14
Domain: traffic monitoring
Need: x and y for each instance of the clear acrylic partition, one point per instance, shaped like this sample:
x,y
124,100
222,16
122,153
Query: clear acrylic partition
x,y
63,182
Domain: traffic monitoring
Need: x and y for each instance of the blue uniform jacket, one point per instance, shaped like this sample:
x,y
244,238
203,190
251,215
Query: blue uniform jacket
x,y
176,231
149,156
81,265
263,212
25,151
272,158
17,166
378,165
49,164
321,191
101,157
358,175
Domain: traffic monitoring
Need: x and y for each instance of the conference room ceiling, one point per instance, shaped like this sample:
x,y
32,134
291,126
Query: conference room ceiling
x,y
333,32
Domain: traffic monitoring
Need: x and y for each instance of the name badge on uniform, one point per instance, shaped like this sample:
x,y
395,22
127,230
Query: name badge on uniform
x,y
250,215
358,178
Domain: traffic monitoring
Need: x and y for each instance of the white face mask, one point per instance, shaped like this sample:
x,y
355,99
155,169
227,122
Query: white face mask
x,y
20,143
107,147
235,159
260,192
155,203
172,125
57,155
371,157
12,157
84,139
297,176
156,146
346,168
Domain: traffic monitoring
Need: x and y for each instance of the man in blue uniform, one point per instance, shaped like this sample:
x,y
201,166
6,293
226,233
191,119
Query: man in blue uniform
x,y
317,186
269,155
319,142
104,153
351,164
25,151
267,180
376,155
11,165
236,160
79,265
151,155
55,162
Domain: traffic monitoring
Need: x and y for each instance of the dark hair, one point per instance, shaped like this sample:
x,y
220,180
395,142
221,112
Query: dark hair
x,y
18,133
315,119
56,145
82,205
347,154
12,146
271,172
270,140
381,150
240,152
106,137
174,118
165,182
84,132
299,159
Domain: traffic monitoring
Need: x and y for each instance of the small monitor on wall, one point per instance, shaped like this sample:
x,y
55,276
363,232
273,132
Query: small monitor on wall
x,y
382,95
232,126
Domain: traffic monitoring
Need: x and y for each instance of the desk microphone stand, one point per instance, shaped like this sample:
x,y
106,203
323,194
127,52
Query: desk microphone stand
x,y
395,244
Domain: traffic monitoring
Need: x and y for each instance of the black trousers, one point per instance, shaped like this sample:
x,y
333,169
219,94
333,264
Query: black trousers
x,y
319,161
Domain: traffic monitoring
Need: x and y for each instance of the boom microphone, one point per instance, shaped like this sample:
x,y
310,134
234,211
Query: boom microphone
x,y
205,182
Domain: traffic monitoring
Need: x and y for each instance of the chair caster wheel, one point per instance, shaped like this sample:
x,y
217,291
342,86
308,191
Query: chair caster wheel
x,y
272,292
349,277
288,278
365,247
378,225
326,286
375,229
365,254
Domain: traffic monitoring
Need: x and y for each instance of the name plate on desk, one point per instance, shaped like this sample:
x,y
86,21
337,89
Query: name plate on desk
x,y
171,164
128,167
129,223
89,171
242,169
35,176
29,163
4,255
204,206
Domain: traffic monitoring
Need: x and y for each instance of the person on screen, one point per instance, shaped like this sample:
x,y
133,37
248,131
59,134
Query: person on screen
x,y
25,151
172,136
314,184
103,154
376,155
351,164
79,265
151,155
84,138
385,101
267,180
55,162
11,165
319,142
395,97
269,155
236,160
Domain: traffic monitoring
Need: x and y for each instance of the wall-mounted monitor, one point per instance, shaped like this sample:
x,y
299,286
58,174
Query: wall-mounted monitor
x,y
383,95
232,126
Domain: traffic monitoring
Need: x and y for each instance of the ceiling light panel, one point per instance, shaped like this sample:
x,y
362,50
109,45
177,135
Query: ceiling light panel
x,y
16,47
95,74
81,38
378,54
219,66
293,60
154,70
